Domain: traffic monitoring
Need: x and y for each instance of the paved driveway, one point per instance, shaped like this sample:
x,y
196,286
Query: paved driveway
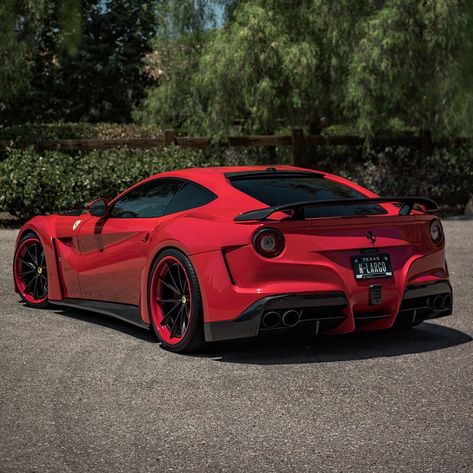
x,y
82,392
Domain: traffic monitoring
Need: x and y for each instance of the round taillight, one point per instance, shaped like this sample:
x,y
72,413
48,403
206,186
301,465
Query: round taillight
x,y
436,232
268,242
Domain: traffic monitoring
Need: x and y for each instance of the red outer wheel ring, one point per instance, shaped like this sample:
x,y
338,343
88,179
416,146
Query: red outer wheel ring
x,y
168,303
18,271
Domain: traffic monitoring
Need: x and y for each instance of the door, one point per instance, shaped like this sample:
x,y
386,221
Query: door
x,y
113,249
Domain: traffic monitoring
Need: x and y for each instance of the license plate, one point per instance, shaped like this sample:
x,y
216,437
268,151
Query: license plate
x,y
372,266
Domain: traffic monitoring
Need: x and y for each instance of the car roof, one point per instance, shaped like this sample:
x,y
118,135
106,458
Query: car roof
x,y
231,199
214,178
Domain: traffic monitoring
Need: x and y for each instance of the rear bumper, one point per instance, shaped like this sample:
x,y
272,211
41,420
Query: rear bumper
x,y
429,301
326,306
325,311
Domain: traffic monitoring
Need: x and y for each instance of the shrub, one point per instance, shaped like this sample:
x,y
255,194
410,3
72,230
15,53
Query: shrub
x,y
32,183
446,176
58,131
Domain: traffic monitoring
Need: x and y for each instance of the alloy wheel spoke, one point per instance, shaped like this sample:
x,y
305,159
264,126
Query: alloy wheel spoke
x,y
168,300
29,284
181,286
167,317
176,320
35,286
185,320
171,275
36,253
31,255
40,291
28,263
173,289
186,287
45,287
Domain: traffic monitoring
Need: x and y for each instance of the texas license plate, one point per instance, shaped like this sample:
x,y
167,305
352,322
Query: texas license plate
x,y
372,266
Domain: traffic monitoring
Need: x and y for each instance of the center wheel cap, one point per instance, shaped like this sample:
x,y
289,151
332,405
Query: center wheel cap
x,y
184,299
39,270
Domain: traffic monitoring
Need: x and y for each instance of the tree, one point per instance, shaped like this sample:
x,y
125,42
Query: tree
x,y
273,62
105,79
371,65
19,23
407,67
183,28
88,61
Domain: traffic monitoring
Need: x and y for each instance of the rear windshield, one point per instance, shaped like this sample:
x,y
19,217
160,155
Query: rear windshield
x,y
281,190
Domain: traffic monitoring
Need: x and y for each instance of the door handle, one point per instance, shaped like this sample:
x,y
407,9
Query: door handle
x,y
145,238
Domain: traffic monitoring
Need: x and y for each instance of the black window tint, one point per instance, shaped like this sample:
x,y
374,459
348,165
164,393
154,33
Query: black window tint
x,y
283,190
148,200
188,197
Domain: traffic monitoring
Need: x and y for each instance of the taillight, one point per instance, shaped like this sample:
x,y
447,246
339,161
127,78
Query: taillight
x,y
436,232
269,242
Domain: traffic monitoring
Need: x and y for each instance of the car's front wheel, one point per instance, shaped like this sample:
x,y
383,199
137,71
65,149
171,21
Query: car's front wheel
x,y
175,302
30,271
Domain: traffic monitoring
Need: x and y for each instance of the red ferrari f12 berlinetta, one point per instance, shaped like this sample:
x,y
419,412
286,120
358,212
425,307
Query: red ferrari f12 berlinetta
x,y
201,255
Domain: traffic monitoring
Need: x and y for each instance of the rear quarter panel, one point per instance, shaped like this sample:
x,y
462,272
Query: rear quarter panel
x,y
201,238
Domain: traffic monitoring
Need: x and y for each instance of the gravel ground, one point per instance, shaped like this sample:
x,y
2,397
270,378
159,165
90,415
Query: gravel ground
x,y
83,392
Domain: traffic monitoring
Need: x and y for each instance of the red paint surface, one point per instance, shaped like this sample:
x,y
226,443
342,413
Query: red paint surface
x,y
110,259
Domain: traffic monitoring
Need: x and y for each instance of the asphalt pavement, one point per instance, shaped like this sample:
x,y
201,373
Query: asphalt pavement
x,y
81,392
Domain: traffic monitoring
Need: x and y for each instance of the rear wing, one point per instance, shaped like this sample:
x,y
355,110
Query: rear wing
x,y
297,208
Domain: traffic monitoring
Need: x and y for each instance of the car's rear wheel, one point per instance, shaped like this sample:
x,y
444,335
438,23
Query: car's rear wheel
x,y
175,302
30,271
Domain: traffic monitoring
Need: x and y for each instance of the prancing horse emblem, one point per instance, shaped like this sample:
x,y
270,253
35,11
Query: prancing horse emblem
x,y
371,237
76,224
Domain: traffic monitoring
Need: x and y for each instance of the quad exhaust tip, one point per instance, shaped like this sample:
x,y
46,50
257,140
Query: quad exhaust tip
x,y
271,319
441,301
437,303
447,301
291,318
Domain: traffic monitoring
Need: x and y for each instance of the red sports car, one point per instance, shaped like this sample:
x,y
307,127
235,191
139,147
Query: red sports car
x,y
201,255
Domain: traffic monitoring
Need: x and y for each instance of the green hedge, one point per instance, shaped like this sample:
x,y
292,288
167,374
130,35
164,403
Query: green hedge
x,y
58,131
446,176
33,183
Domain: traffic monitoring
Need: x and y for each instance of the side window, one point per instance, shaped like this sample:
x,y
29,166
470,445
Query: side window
x,y
189,196
148,200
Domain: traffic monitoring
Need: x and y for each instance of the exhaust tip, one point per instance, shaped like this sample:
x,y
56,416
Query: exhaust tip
x,y
271,319
447,301
437,303
291,318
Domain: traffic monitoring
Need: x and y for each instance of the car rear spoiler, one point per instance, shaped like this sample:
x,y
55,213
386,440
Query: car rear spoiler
x,y
429,206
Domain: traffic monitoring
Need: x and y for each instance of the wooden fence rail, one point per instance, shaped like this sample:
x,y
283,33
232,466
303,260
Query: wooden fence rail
x,y
298,141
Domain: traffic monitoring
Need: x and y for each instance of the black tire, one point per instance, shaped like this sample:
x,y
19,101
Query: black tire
x,y
39,305
194,339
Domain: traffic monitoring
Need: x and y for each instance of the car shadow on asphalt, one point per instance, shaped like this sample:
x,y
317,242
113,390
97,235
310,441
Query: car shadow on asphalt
x,y
108,322
325,349
292,350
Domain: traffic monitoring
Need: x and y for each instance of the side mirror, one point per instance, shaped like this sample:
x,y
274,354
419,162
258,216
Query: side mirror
x,y
98,208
